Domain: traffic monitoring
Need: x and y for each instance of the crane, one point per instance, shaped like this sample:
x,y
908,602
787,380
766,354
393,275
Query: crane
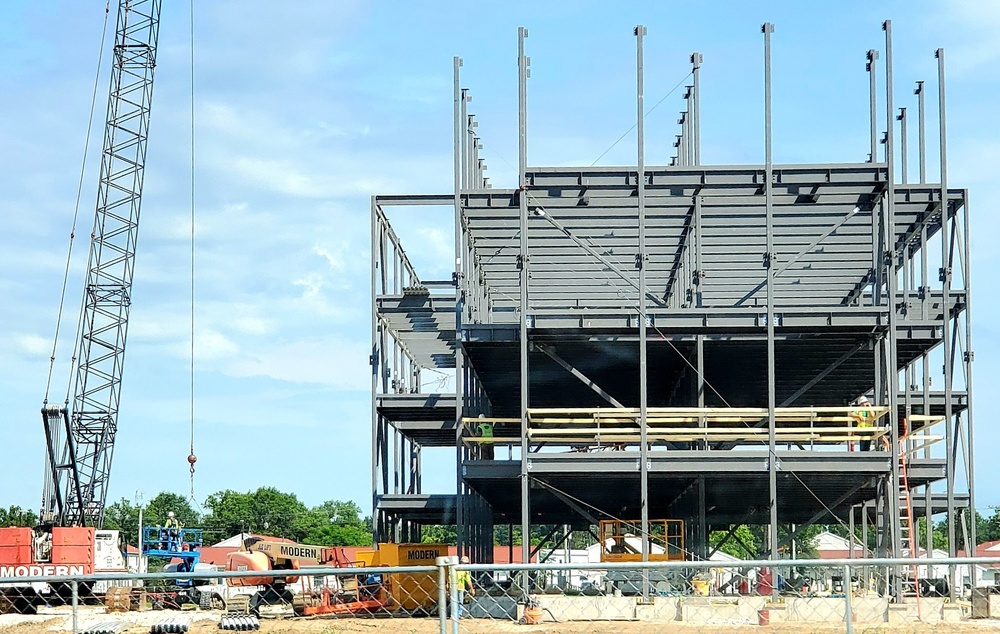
x,y
80,441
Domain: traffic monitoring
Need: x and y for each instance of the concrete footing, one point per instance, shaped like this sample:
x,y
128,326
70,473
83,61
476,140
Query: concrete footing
x,y
750,610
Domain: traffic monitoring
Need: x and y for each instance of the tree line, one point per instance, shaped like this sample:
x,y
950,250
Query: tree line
x,y
269,511
266,511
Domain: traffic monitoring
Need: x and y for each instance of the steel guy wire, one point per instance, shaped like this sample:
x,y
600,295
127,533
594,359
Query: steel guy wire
x,y
192,456
632,523
635,125
76,207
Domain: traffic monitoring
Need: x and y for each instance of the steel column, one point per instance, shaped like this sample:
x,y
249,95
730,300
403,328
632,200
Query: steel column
x,y
969,358
769,262
373,360
924,291
892,373
459,106
945,296
921,132
522,164
696,61
905,158
872,55
640,262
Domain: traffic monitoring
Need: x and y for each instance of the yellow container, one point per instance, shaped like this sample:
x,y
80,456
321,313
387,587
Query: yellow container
x,y
700,587
409,591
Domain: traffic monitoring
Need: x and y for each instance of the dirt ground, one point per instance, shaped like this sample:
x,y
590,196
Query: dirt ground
x,y
207,623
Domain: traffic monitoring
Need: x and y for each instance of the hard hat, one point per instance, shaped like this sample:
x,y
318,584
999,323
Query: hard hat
x,y
863,400
170,514
465,559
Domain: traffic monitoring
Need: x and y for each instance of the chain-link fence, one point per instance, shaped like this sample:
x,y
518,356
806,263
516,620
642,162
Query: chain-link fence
x,y
860,595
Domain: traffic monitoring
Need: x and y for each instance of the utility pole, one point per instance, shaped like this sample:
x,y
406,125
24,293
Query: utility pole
x,y
139,565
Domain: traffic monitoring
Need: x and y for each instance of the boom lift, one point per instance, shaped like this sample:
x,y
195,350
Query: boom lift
x,y
260,554
337,594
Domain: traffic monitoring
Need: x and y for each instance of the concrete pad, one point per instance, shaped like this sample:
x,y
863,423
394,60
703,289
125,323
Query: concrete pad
x,y
589,608
952,613
869,609
712,611
661,609
929,610
815,610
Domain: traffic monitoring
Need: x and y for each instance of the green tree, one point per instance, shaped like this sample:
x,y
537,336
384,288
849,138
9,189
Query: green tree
x,y
939,536
16,516
164,502
335,523
265,511
123,515
988,529
439,534
742,538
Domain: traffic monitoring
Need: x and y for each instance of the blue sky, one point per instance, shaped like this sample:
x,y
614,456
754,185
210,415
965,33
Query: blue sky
x,y
305,109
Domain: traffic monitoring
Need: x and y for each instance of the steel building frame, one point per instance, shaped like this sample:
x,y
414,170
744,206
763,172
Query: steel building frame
x,y
631,292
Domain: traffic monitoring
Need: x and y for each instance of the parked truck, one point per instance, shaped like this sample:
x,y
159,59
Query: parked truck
x,y
49,551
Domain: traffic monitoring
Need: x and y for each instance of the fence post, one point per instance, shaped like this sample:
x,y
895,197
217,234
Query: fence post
x,y
456,601
76,601
848,592
442,564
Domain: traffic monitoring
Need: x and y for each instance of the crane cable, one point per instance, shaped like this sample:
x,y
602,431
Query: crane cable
x,y
192,458
76,209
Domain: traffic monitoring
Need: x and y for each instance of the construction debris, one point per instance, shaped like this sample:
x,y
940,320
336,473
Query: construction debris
x,y
171,626
106,627
239,623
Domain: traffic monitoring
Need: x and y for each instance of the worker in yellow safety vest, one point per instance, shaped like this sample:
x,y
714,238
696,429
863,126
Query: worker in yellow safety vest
x,y
865,419
173,530
463,579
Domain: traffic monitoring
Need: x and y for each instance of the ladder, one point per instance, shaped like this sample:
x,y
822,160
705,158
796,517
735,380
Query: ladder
x,y
908,536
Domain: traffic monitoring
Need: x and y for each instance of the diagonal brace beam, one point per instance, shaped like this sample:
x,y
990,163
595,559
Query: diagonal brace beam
x,y
555,546
568,501
587,246
580,375
729,534
808,386
822,375
827,510
548,536
812,245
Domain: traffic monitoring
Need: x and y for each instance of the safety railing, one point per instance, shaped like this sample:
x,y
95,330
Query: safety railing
x,y
617,427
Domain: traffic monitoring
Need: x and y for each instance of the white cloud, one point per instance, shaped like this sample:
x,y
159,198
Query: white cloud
x,y
330,361
335,260
974,161
33,345
437,241
253,325
312,285
211,345
977,49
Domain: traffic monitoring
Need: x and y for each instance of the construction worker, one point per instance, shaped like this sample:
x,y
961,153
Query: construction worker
x,y
864,419
173,526
464,580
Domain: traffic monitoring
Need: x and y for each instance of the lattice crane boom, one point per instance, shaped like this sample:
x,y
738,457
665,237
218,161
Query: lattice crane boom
x,y
81,441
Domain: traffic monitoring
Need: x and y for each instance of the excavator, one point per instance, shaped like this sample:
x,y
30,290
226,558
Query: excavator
x,y
336,594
